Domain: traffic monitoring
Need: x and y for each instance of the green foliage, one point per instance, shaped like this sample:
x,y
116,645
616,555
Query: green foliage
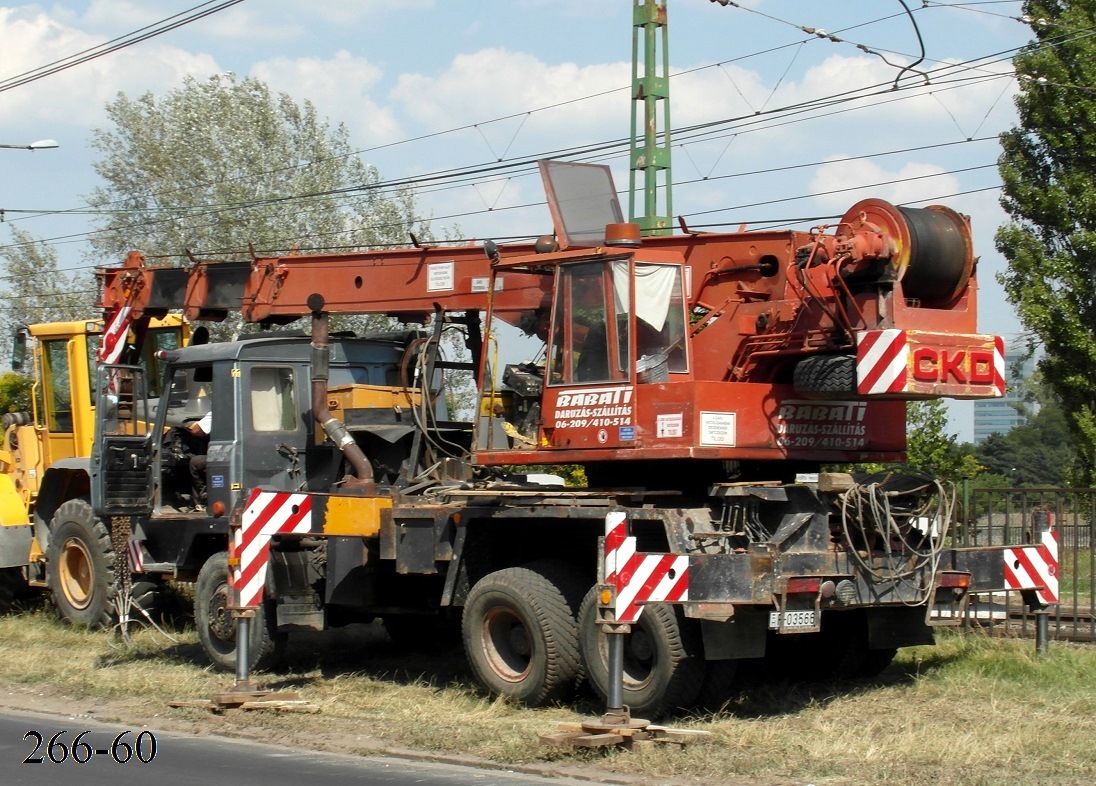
x,y
220,165
929,447
215,165
14,392
37,291
1038,453
1048,167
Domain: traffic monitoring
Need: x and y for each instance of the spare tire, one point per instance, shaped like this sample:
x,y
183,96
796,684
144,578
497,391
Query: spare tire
x,y
825,376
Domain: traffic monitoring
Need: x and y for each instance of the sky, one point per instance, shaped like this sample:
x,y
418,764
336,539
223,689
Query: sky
x,y
781,109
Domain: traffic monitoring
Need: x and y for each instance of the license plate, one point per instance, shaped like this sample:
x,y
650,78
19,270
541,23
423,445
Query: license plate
x,y
793,620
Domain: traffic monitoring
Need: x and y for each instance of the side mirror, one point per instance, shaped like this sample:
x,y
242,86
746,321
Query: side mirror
x,y
19,350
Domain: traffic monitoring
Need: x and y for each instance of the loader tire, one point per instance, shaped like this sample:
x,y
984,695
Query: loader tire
x,y
521,636
217,627
663,666
11,583
825,376
80,566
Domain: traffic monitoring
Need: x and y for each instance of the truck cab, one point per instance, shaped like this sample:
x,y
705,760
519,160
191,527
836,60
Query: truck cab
x,y
263,434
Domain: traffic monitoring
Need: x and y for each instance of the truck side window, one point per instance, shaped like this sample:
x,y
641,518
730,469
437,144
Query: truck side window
x,y
273,403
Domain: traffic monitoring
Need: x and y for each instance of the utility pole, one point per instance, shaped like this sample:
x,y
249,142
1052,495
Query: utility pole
x,y
651,102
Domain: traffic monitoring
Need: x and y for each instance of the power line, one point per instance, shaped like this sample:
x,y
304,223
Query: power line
x,y
453,177
200,11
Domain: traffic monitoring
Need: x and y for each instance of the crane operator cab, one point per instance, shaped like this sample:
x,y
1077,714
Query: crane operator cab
x,y
617,318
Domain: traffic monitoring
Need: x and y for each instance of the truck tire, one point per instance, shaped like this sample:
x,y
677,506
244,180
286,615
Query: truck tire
x,y
521,637
148,595
217,628
80,566
824,376
663,668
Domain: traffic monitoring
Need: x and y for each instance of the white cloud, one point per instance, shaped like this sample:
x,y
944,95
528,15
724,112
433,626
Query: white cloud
x,y
842,181
77,95
495,82
340,88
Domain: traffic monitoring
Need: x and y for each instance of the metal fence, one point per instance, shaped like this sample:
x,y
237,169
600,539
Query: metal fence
x,y
995,517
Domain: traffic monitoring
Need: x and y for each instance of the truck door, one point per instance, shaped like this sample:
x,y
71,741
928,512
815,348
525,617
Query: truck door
x,y
273,423
121,458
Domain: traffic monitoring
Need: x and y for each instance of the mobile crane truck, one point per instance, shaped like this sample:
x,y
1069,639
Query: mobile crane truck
x,y
702,381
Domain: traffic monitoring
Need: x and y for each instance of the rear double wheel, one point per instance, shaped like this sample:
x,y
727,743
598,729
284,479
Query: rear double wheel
x,y
664,666
217,627
520,633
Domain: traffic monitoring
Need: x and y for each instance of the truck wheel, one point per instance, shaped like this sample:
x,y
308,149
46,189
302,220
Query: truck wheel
x,y
663,668
520,636
217,628
80,566
148,595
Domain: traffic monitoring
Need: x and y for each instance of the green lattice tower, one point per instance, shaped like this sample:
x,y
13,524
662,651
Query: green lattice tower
x,y
651,102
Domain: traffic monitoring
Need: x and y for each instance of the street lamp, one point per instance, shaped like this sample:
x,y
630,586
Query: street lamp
x,y
41,144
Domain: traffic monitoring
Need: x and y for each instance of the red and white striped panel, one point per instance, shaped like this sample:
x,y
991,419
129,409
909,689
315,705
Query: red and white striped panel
x,y
882,361
1031,567
914,364
135,556
640,578
114,335
266,514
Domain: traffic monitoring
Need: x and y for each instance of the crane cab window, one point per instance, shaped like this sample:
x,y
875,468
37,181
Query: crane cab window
x,y
603,308
660,319
586,346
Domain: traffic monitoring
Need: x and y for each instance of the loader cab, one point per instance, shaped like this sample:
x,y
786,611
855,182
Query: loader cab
x,y
62,362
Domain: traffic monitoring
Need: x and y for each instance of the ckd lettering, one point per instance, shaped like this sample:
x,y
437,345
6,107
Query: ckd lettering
x,y
973,366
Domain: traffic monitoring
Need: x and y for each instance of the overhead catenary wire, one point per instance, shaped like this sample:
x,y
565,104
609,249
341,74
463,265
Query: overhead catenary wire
x,y
193,14
468,175
525,114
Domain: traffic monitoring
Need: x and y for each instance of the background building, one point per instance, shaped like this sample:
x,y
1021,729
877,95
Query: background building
x,y
1000,415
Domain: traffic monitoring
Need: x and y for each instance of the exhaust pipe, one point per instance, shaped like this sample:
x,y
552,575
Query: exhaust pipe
x,y
334,428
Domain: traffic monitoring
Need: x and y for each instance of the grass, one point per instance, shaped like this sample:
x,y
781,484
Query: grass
x,y
970,712
1076,573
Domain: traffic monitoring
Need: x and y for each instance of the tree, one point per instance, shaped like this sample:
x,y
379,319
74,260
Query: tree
x,y
35,290
223,166
1038,453
14,392
219,165
929,446
1048,167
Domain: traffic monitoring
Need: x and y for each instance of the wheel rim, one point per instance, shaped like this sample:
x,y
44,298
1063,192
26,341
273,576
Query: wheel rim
x,y
506,644
76,574
221,625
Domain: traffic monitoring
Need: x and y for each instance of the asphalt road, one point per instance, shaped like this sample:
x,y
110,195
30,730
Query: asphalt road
x,y
111,757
